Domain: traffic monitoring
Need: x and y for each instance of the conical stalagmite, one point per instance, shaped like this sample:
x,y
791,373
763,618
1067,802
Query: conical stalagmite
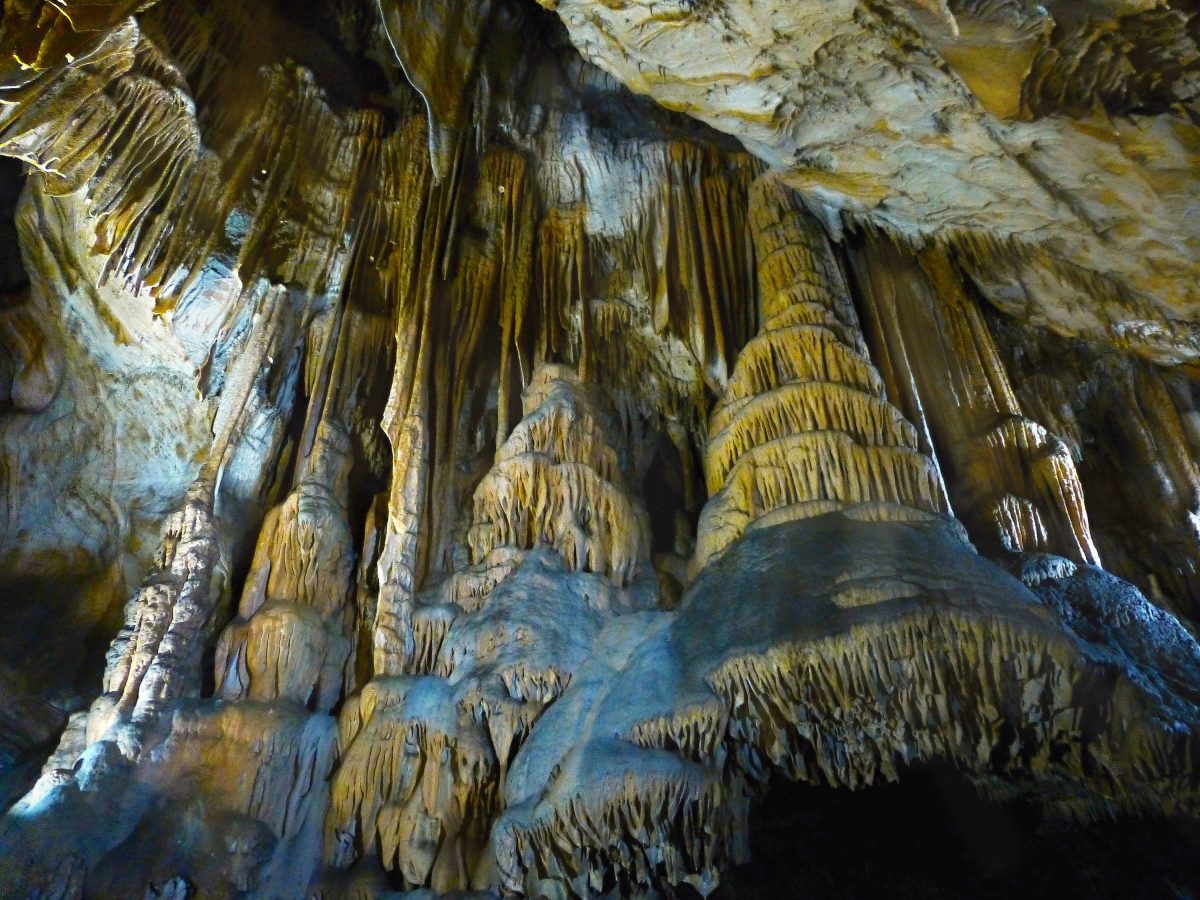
x,y
499,442
803,427
555,537
556,481
293,638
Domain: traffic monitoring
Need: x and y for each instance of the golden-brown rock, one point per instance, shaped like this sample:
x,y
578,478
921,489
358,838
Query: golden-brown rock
x,y
508,478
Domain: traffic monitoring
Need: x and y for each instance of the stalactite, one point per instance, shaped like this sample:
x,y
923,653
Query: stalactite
x,y
488,283
702,270
1143,58
422,423
420,214
655,309
1010,480
443,69
563,286
164,195
695,281
551,499
516,276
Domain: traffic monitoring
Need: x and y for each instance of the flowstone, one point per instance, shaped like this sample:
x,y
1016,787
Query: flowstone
x,y
512,449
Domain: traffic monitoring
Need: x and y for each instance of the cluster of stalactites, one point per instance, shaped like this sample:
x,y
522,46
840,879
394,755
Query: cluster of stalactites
x,y
803,427
807,729
1011,481
556,481
170,176
639,280
417,785
1049,515
1011,469
672,825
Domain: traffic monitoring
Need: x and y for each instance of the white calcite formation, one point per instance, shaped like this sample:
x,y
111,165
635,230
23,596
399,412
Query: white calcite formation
x,y
885,112
481,450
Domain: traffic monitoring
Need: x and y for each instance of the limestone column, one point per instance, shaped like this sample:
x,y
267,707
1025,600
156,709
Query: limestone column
x,y
804,426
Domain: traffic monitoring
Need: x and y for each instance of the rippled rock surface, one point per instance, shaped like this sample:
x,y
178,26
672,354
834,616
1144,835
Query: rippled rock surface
x,y
614,449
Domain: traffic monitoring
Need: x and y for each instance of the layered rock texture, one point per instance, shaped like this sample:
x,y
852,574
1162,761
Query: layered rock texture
x,y
567,450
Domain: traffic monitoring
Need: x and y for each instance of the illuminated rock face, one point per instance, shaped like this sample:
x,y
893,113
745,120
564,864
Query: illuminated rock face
x,y
437,458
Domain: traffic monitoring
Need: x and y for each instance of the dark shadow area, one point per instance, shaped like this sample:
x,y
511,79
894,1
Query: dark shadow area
x,y
665,492
70,665
12,273
933,836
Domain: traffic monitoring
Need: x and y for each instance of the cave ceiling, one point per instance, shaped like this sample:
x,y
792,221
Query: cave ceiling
x,y
492,446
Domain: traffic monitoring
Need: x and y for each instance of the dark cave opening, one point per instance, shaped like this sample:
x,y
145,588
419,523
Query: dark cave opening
x,y
932,835
665,493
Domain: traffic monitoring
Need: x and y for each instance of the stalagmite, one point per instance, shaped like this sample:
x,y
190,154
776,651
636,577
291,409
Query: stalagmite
x,y
803,427
556,482
426,748
154,659
577,449
293,637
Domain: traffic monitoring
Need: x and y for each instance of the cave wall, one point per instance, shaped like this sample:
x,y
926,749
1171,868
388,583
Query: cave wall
x,y
478,447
